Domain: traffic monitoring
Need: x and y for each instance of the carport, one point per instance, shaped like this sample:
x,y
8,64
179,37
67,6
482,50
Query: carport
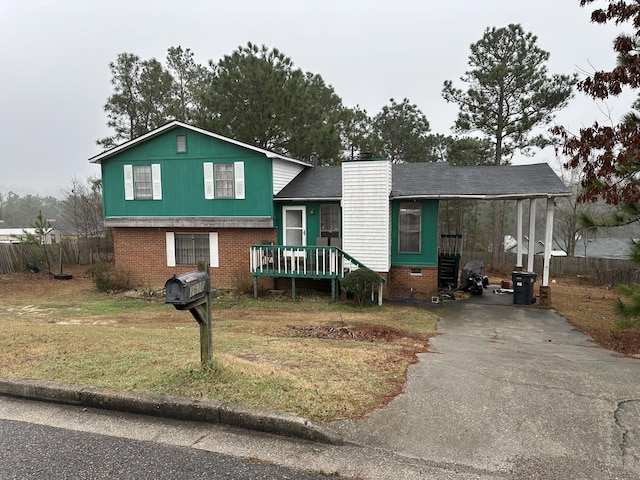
x,y
524,184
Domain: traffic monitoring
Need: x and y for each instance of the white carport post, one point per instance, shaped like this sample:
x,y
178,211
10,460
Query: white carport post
x,y
532,234
519,249
548,241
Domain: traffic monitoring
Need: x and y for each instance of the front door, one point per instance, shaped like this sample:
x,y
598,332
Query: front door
x,y
294,225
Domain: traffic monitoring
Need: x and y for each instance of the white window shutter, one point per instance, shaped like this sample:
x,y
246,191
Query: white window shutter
x,y
214,260
128,182
238,174
171,249
156,181
209,193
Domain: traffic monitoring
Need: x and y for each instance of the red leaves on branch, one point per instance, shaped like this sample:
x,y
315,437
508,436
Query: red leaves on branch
x,y
610,156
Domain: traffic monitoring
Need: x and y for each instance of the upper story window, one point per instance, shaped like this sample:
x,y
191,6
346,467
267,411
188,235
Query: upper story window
x,y
142,188
223,173
142,182
224,180
409,227
181,143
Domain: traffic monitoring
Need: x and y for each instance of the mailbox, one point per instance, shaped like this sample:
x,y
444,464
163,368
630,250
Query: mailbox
x,y
181,290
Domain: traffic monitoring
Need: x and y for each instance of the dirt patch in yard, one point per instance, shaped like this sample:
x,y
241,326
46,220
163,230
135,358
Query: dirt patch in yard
x,y
590,309
28,285
363,332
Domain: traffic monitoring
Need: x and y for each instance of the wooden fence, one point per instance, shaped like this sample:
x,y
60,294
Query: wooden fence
x,y
20,257
601,271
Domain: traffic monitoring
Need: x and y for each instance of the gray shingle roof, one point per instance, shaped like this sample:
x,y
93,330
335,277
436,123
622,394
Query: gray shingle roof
x,y
436,180
441,179
314,183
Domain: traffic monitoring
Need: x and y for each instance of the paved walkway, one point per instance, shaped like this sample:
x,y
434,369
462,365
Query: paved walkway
x,y
513,391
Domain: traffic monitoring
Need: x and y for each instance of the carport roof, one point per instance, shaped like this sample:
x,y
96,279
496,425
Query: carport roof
x,y
438,180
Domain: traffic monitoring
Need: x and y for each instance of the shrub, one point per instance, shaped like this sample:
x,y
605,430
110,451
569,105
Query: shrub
x,y
359,283
109,279
242,282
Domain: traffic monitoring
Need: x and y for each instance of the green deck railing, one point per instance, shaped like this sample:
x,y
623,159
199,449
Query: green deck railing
x,y
317,262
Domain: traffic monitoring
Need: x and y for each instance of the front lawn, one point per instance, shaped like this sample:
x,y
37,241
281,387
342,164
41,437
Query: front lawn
x,y
311,357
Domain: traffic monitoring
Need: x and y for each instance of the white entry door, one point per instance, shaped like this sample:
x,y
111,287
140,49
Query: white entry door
x,y
294,225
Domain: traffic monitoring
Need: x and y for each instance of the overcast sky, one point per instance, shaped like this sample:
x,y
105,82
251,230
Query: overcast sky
x,y
54,58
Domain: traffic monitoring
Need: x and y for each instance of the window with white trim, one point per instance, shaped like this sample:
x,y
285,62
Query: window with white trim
x,y
192,248
142,182
223,177
224,180
409,226
185,248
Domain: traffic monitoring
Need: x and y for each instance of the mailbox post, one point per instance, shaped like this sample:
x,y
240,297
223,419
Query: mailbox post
x,y
192,291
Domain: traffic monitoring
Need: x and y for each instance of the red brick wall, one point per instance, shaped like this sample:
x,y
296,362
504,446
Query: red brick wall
x,y
142,252
401,283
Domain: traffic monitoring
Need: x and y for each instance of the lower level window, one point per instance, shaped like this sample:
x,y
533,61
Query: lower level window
x,y
330,220
192,248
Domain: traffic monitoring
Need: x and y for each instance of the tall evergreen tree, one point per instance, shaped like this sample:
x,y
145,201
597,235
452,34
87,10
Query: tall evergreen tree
x,y
356,130
401,133
123,104
469,151
141,98
188,80
257,96
509,93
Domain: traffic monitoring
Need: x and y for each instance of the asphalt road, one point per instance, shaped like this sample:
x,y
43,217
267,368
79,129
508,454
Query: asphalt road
x,y
93,443
32,451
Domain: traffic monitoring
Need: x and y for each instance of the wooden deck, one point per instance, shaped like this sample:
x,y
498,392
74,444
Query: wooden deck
x,y
317,262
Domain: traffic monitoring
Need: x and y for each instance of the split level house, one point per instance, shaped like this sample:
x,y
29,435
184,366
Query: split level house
x,y
180,196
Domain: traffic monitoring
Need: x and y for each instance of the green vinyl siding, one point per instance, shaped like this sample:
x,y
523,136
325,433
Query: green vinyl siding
x,y
182,175
428,254
313,219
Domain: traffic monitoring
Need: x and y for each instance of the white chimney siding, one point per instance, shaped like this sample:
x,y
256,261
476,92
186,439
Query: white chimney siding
x,y
366,212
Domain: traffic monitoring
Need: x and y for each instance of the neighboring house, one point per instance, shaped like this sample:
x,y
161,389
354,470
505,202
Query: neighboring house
x,y
511,245
17,235
604,247
180,195
596,247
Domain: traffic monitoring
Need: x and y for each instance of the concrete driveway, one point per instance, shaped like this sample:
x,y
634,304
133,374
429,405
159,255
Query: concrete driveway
x,y
513,391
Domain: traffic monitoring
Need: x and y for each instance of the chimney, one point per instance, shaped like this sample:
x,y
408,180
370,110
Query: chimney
x,y
366,215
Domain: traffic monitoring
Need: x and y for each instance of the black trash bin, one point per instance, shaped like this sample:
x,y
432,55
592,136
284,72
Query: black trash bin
x,y
523,287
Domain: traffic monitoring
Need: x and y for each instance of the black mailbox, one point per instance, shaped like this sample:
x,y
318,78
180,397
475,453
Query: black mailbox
x,y
187,288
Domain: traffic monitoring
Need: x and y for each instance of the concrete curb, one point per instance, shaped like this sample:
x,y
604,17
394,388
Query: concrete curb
x,y
179,408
